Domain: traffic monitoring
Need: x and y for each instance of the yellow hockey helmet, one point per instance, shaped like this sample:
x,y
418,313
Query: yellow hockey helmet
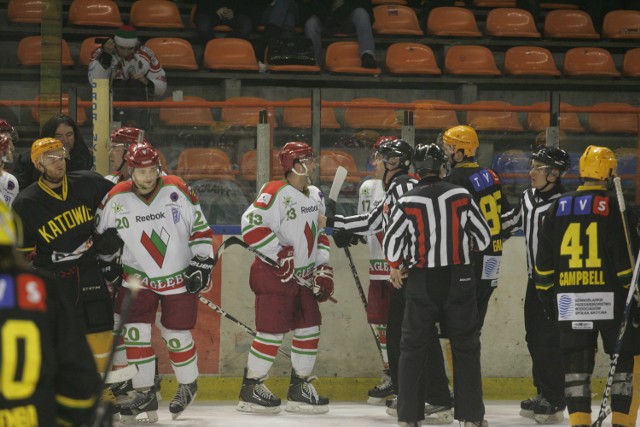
x,y
462,138
598,163
42,146
10,227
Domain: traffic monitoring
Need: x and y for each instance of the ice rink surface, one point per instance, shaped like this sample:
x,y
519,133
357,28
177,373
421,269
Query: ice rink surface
x,y
343,414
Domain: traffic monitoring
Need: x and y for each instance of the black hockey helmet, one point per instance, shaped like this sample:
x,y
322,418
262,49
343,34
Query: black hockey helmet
x,y
398,148
429,158
557,158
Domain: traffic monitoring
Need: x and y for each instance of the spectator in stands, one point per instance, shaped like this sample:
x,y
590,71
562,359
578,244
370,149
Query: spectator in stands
x,y
344,16
65,129
233,13
134,71
279,19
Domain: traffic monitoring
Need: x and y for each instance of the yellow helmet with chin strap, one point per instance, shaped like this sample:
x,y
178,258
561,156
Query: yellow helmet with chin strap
x,y
42,146
462,138
598,163
10,227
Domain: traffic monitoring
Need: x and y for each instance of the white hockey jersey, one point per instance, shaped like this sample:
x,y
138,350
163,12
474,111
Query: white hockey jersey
x,y
161,233
371,195
8,187
284,216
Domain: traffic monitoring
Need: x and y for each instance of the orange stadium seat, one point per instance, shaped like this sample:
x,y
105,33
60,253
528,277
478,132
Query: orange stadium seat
x,y
230,54
530,61
186,116
26,11
204,163
511,22
569,122
368,118
631,63
433,119
452,21
621,24
155,14
494,3
396,20
244,116
300,117
344,57
173,53
497,119
81,114
613,122
470,60
330,160
589,61
87,48
249,163
94,13
569,24
411,58
30,51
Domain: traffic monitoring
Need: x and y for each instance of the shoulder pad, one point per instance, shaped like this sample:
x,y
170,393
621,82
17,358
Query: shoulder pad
x,y
268,193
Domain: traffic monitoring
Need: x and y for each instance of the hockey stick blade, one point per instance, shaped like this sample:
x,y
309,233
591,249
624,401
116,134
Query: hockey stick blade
x,y
336,186
233,240
121,375
243,326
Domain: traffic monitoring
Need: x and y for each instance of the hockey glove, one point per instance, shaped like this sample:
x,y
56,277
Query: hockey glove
x,y
112,272
108,243
323,282
548,300
344,239
285,268
199,273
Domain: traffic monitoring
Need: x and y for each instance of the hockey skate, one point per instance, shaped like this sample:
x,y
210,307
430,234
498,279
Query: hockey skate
x,y
383,391
546,413
437,415
255,397
392,407
526,406
482,423
184,396
304,398
142,408
123,392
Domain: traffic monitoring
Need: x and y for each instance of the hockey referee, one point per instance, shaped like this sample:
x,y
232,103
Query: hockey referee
x,y
432,230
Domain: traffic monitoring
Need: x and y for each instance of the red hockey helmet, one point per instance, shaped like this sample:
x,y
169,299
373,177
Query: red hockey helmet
x,y
382,140
293,151
7,134
128,136
142,155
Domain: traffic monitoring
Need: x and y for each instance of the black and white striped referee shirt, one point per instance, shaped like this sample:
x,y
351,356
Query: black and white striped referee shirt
x,y
435,225
527,217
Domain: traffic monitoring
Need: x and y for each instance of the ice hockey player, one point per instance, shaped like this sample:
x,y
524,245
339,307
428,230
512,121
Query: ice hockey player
x,y
283,223
119,141
167,245
8,183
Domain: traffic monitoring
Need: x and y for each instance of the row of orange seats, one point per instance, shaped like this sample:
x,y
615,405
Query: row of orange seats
x,y
495,117
343,57
390,19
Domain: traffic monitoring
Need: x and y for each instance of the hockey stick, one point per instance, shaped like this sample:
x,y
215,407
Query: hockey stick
x,y
101,409
223,313
234,240
622,205
605,407
336,186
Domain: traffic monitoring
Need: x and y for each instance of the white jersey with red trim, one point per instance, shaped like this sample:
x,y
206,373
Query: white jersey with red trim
x,y
161,233
284,216
371,195
8,187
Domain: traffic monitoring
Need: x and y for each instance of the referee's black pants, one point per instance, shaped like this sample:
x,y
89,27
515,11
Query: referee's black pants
x,y
543,342
448,295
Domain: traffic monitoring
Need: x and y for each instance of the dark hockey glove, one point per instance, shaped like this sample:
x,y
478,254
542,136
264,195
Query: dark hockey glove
x,y
199,273
112,272
344,239
285,268
549,304
108,243
323,282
